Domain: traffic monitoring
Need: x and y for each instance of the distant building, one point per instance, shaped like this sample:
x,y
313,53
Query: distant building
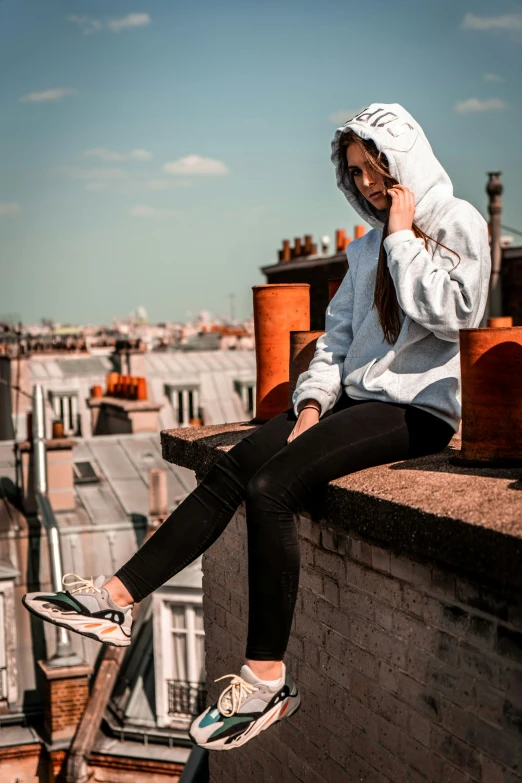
x,y
104,505
216,386
301,263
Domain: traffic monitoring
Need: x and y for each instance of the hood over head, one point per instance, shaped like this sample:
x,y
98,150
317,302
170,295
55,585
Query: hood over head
x,y
410,160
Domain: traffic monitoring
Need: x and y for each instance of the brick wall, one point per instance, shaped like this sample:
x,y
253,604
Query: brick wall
x,y
66,690
408,672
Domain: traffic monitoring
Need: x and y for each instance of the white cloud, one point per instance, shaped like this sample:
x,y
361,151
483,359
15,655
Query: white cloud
x,y
48,95
9,209
140,155
144,211
507,22
195,165
105,154
343,115
89,25
492,77
131,20
473,105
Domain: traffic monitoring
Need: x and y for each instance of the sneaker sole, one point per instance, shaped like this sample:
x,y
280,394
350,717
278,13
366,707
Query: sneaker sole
x,y
113,640
263,723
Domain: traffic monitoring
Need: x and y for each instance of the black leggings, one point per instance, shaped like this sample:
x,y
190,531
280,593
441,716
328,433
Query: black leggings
x,y
276,479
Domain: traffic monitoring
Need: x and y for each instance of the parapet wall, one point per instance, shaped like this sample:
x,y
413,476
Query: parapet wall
x,y
409,666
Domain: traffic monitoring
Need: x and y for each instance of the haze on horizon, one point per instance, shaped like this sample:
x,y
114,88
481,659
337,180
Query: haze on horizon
x,y
157,153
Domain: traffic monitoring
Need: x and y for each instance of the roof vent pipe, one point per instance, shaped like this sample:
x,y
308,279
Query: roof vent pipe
x,y
64,655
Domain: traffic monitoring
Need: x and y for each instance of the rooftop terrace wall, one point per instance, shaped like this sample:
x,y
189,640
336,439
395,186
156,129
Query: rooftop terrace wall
x,y
407,637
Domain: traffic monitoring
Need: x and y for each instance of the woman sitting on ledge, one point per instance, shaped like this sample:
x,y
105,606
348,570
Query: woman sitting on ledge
x,y
382,386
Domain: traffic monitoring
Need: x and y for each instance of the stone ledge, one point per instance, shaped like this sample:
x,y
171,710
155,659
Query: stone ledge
x,y
469,518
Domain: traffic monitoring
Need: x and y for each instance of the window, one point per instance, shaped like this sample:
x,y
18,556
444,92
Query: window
x,y
84,473
186,691
185,401
188,643
179,652
65,405
246,391
8,667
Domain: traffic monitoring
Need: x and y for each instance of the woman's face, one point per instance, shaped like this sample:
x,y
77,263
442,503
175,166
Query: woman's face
x,y
367,181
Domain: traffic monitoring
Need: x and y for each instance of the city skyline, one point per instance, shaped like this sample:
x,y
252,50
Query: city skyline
x,y
156,154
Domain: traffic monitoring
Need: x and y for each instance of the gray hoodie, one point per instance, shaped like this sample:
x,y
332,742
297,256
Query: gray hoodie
x,y
437,295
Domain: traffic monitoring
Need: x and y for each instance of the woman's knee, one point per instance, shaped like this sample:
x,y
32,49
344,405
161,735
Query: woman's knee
x,y
259,486
265,495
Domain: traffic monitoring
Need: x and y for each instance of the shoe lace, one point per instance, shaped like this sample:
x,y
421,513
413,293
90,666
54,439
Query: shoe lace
x,y
230,700
83,584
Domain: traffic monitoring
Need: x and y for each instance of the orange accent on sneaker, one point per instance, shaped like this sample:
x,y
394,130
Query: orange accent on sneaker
x,y
92,625
285,707
108,630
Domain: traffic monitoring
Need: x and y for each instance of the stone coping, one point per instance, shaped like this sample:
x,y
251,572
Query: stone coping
x,y
467,517
51,444
123,403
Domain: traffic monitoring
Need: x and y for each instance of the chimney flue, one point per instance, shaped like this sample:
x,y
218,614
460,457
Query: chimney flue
x,y
340,236
158,496
494,190
286,253
58,429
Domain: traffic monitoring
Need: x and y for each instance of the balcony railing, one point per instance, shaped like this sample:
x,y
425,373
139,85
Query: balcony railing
x,y
186,698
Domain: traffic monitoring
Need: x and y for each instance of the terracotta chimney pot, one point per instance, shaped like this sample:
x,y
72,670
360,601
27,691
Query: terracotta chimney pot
x,y
141,392
491,361
58,430
279,308
500,321
340,236
302,349
112,380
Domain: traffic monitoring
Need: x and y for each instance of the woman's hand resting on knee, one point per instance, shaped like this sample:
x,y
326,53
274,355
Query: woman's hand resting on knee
x,y
307,418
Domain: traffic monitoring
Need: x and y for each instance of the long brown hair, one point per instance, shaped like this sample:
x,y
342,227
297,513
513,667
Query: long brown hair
x,y
385,296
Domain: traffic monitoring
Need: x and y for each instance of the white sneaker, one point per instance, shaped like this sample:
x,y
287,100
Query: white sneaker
x,y
246,707
87,609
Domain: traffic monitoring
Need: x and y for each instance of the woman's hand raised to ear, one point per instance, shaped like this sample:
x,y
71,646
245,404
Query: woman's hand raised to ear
x,y
307,418
402,209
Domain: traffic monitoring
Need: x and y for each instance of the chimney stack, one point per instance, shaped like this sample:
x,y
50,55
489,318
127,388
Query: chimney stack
x,y
494,189
359,231
297,251
158,496
340,240
286,253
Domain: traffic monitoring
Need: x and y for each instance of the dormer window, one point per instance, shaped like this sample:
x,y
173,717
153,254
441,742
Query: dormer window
x,y
65,405
185,401
247,393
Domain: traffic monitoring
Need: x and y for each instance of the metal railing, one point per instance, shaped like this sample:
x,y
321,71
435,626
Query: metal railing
x,y
186,698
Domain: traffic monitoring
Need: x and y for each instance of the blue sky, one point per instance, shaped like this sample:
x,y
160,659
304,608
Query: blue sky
x,y
156,153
